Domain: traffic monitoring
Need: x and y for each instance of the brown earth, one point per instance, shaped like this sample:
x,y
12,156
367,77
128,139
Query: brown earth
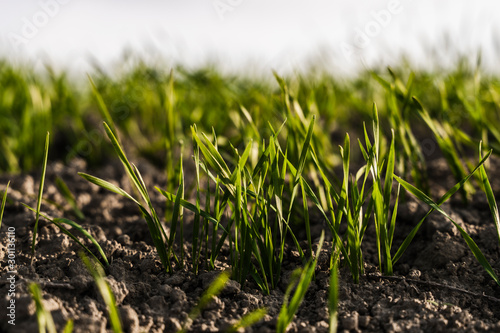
x,y
437,285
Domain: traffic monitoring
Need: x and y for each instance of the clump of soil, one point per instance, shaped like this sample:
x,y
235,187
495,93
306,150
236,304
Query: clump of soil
x,y
438,284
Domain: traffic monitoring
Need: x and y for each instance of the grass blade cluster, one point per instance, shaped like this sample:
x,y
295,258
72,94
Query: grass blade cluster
x,y
255,200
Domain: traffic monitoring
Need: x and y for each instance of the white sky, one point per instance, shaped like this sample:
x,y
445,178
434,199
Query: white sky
x,y
251,34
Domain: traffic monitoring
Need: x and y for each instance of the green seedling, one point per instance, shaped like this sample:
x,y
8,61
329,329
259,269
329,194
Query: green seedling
x,y
436,206
40,194
58,222
106,293
301,279
43,316
381,195
250,199
490,196
447,146
333,298
248,320
4,199
442,200
160,238
66,193
409,156
213,290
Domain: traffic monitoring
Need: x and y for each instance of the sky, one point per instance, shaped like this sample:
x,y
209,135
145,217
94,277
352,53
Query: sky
x,y
250,34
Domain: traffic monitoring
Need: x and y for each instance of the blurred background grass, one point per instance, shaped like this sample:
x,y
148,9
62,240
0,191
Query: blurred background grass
x,y
154,106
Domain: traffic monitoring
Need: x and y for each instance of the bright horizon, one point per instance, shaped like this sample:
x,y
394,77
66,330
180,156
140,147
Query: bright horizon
x,y
250,35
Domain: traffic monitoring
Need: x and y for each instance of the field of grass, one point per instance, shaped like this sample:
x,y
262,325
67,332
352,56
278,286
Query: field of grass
x,y
256,159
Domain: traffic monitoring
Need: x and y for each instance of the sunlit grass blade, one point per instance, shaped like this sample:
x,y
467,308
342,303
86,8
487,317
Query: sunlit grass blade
x,y
447,147
102,105
186,204
443,199
160,238
213,290
301,280
107,185
4,199
305,149
392,226
196,222
40,194
106,293
70,198
211,154
333,298
58,223
68,328
248,320
43,316
177,210
470,242
489,195
128,166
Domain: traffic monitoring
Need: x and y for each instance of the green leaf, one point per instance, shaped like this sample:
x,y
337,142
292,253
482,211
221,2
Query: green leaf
x,y
443,199
333,298
213,290
108,186
57,222
472,245
43,316
106,293
489,195
4,199
101,104
300,281
40,194
66,193
248,320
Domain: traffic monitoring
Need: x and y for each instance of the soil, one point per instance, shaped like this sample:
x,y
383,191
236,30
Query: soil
x,y
437,285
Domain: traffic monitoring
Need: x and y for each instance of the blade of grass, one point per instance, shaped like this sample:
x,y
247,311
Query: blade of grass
x,y
101,104
70,198
248,320
470,242
4,199
40,194
177,211
300,281
58,221
160,238
106,293
490,196
333,298
213,290
43,316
